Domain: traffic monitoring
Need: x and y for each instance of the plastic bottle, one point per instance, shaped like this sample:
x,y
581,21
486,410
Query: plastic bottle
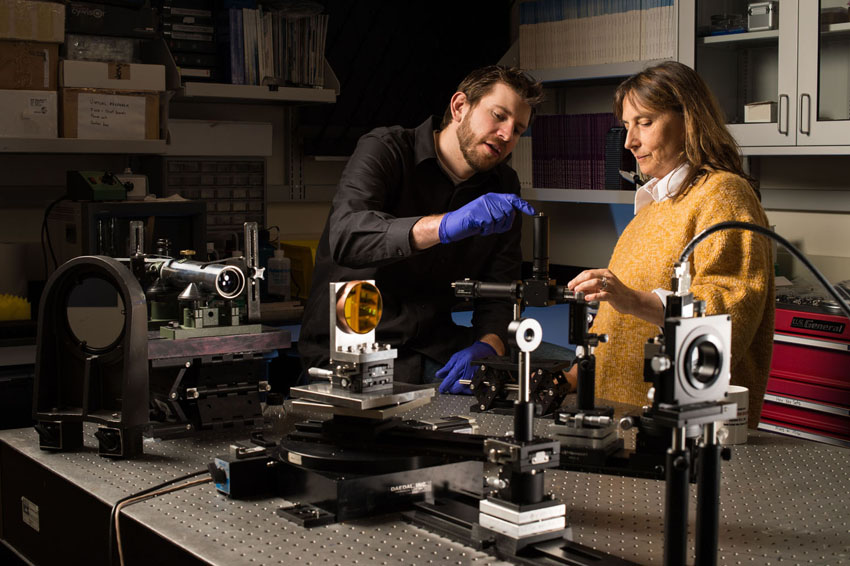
x,y
279,275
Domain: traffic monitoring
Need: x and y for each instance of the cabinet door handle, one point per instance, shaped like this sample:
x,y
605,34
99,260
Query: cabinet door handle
x,y
805,113
786,98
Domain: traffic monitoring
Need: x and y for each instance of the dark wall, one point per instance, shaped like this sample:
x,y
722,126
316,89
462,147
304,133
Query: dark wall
x,y
399,61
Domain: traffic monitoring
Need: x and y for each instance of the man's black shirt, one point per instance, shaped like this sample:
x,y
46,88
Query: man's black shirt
x,y
391,181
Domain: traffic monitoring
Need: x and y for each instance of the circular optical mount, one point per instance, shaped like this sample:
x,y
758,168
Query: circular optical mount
x,y
526,334
703,361
359,307
230,282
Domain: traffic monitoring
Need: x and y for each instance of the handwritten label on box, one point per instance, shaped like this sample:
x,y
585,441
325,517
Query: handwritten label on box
x,y
108,116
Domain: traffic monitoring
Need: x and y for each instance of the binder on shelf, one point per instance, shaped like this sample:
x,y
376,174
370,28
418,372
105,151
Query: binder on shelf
x,y
196,59
169,34
189,28
236,47
184,14
190,46
568,151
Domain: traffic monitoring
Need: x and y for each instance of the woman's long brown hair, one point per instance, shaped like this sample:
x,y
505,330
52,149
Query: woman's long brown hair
x,y
676,87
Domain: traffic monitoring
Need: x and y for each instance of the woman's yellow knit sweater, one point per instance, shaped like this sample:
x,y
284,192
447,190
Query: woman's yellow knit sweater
x,y
732,271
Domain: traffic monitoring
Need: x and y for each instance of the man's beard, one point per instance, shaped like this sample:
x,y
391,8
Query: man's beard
x,y
467,142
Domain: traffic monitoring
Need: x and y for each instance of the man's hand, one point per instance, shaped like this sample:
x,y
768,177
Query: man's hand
x,y
492,213
460,367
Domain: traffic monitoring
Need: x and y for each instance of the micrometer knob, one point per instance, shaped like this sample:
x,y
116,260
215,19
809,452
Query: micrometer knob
x,y
319,372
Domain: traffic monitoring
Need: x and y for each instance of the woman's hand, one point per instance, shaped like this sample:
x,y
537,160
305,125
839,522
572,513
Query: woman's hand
x,y
603,285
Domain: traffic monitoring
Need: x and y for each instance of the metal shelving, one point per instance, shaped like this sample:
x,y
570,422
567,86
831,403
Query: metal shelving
x,y
74,145
592,72
216,92
767,36
580,195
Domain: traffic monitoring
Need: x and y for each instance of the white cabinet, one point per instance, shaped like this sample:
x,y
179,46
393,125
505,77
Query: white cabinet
x,y
801,65
823,77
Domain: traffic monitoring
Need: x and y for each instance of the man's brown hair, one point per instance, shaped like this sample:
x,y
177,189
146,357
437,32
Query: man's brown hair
x,y
479,83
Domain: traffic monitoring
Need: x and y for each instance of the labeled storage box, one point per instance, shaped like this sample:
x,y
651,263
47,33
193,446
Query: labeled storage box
x,y
111,75
109,114
28,65
28,114
762,16
756,112
32,21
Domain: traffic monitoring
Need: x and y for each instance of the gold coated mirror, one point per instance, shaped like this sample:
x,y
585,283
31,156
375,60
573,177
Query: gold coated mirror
x,y
359,307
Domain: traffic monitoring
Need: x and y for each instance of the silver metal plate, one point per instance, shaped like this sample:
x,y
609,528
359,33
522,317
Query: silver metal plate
x,y
379,413
326,393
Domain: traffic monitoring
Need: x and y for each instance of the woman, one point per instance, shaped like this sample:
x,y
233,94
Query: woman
x,y
676,132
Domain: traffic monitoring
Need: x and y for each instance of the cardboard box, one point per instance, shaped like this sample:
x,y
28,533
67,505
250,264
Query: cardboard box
x,y
117,76
32,21
27,65
760,112
109,114
28,114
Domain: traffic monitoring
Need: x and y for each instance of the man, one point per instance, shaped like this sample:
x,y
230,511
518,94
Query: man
x,y
417,209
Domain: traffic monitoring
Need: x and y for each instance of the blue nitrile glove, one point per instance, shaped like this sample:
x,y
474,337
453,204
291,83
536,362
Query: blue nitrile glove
x,y
460,367
488,214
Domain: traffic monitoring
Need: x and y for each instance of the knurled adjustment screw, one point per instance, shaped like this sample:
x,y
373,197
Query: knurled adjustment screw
x,y
188,254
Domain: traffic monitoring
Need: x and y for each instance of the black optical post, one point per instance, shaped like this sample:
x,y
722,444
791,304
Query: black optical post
x,y
676,501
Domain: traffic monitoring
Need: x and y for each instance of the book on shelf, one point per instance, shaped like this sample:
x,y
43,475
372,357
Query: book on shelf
x,y
187,36
249,27
190,46
195,59
252,45
568,151
283,49
198,74
189,28
184,14
569,33
236,46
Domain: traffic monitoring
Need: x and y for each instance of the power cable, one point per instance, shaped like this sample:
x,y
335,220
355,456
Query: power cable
x,y
770,234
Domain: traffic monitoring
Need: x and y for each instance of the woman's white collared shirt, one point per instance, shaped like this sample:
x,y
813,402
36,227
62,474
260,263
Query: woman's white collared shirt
x,y
658,190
